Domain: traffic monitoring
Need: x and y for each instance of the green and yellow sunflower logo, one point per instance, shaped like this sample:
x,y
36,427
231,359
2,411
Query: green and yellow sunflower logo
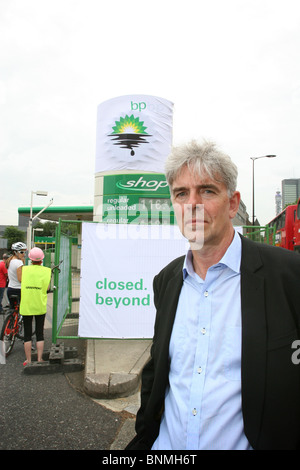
x,y
129,133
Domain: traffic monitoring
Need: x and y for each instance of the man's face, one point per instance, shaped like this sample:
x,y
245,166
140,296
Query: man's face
x,y
203,208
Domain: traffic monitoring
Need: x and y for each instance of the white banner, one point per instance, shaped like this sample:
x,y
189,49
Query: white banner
x,y
134,132
118,265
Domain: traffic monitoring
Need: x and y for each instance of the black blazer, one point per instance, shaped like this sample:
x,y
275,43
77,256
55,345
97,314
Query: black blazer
x,y
270,301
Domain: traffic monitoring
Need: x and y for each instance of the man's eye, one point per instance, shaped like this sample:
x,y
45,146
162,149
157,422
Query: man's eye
x,y
207,192
180,195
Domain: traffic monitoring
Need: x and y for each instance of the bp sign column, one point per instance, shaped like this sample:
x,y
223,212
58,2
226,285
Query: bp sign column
x,y
136,235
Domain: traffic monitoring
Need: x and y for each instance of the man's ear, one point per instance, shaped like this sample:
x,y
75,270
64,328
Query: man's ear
x,y
234,203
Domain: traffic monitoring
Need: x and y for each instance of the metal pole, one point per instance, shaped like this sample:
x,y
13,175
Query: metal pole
x,y
253,216
256,158
29,230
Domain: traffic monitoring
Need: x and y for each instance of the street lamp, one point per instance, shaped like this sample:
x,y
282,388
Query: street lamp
x,y
253,160
29,231
36,230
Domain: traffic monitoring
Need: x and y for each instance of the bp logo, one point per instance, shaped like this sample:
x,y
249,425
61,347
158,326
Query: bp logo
x,y
129,133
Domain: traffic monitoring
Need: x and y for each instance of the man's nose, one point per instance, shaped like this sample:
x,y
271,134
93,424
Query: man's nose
x,y
194,199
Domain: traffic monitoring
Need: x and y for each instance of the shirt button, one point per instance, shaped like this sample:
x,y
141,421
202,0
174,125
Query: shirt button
x,y
199,370
203,331
206,293
194,411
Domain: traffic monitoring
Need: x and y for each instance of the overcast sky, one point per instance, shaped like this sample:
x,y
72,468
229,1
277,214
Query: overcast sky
x,y
231,68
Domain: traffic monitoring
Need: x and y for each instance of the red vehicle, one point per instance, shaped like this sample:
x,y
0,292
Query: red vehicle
x,y
285,227
297,228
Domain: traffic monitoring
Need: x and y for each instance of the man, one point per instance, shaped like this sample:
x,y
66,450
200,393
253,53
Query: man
x,y
221,374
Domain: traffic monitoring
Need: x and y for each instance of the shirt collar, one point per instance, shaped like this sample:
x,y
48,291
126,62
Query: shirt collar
x,y
231,259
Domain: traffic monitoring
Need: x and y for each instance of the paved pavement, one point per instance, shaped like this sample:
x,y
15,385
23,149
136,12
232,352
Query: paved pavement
x,y
54,412
113,367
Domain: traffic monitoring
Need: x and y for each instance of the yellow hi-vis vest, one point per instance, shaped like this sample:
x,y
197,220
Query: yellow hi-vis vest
x,y
34,284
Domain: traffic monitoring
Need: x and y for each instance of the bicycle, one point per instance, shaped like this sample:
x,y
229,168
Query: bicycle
x,y
13,327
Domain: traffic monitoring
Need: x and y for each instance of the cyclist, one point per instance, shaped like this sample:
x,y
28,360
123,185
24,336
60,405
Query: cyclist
x,y
14,266
35,282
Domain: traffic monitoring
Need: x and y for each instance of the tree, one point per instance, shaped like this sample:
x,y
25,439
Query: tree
x,y
290,204
13,235
48,228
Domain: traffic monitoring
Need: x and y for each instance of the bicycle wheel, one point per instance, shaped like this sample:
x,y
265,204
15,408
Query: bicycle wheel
x,y
8,335
20,334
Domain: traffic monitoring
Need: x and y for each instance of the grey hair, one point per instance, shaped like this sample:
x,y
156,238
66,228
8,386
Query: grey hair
x,y
202,158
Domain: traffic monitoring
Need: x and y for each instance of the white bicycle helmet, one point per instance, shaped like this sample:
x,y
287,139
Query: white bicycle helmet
x,y
19,246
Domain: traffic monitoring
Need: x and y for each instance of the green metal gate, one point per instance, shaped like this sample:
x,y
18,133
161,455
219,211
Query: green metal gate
x,y
261,234
65,313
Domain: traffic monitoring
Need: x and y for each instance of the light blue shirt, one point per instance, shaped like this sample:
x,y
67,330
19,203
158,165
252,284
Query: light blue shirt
x,y
203,401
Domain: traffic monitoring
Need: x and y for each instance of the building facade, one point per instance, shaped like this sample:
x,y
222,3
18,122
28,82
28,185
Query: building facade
x,y
290,191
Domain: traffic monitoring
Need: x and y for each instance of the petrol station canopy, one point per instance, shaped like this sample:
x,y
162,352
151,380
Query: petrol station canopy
x,y
55,213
